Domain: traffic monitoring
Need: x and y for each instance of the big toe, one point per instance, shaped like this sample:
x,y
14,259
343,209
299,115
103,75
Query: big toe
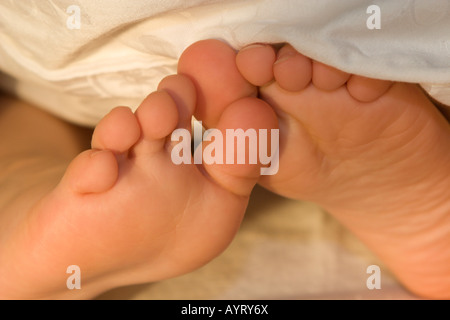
x,y
211,65
243,146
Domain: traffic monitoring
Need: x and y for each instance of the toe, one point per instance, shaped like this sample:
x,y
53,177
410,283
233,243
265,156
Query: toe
x,y
117,131
255,63
366,89
292,70
92,171
240,165
182,91
328,78
211,65
157,116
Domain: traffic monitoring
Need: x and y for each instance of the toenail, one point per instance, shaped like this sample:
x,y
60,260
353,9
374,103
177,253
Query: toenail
x,y
282,59
95,152
285,53
253,46
285,56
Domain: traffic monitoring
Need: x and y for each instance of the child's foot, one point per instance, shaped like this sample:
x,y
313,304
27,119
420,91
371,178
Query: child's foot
x,y
376,154
124,213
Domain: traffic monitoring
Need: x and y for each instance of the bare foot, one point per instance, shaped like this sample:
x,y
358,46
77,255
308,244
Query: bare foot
x,y
124,213
375,154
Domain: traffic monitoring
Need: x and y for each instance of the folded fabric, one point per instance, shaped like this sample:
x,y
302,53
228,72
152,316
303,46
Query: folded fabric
x,y
79,59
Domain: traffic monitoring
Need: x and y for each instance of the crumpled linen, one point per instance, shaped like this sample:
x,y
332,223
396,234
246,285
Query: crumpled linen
x,y
122,49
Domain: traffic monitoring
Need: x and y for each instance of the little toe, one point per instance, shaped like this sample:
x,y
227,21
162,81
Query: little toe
x,y
92,171
211,65
328,78
292,70
367,89
255,62
117,131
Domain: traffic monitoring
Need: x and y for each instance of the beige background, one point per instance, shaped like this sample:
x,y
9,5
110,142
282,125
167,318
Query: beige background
x,y
285,249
